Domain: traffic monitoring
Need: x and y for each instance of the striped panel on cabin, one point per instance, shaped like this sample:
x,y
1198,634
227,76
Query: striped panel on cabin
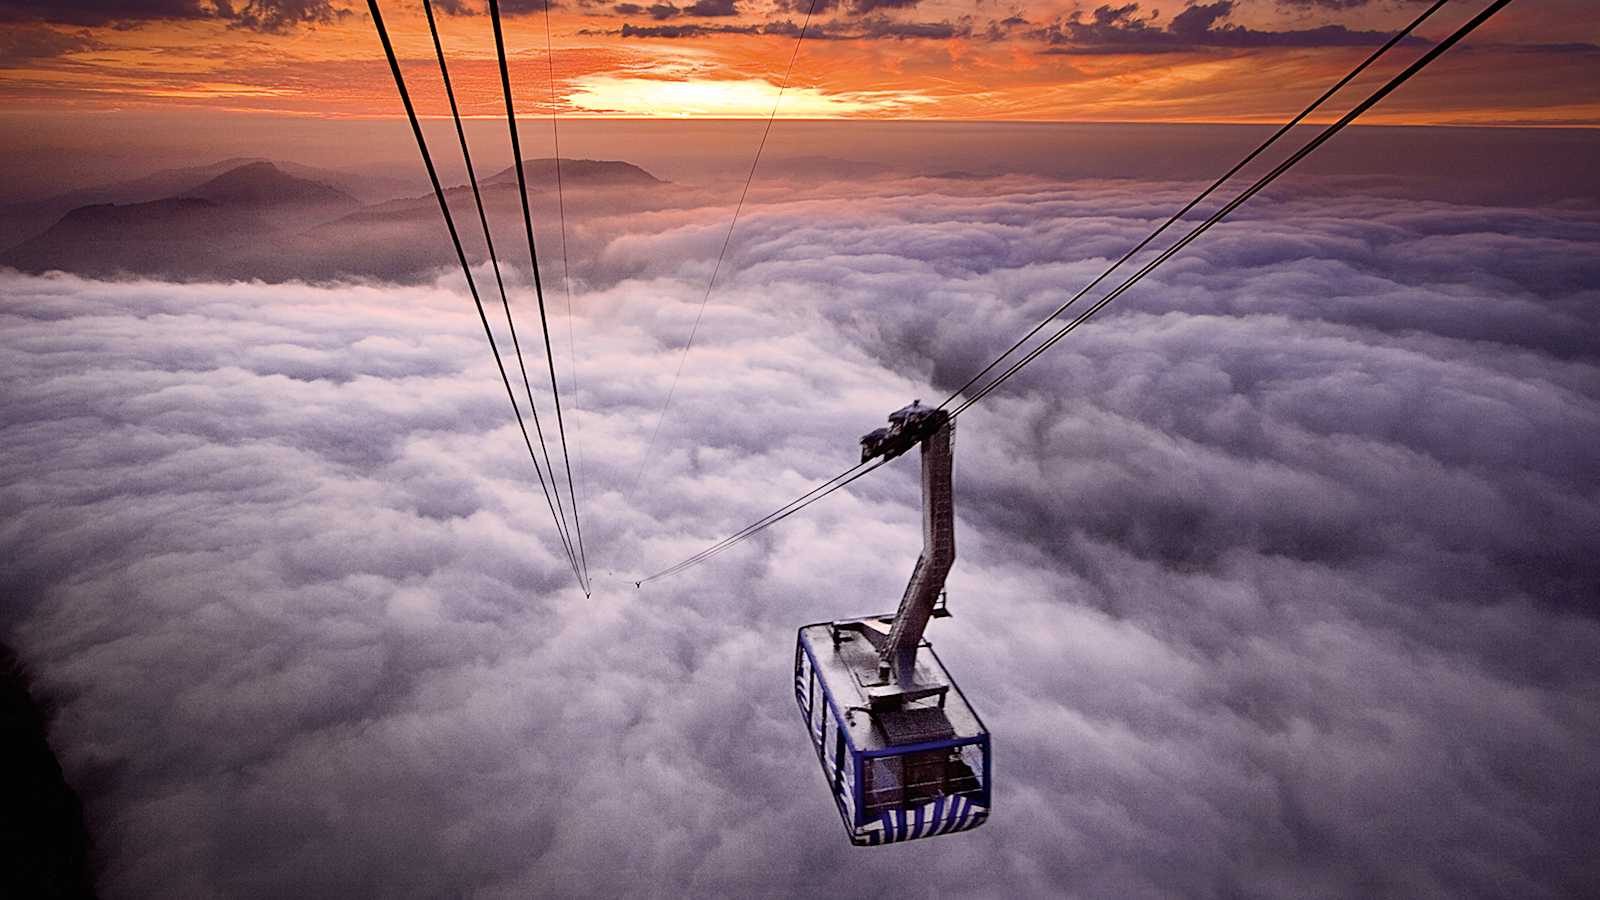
x,y
942,816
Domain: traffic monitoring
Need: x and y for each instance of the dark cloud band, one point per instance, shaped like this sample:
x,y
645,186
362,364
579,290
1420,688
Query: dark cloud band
x,y
258,15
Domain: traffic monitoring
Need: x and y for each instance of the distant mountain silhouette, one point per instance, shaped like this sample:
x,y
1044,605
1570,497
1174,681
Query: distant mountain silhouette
x,y
589,172
262,183
156,185
24,218
186,235
270,221
177,217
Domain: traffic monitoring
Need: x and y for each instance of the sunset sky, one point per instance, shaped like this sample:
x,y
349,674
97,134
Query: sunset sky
x,y
1239,61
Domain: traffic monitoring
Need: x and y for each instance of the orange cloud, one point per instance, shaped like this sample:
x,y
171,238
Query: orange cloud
x,y
1247,61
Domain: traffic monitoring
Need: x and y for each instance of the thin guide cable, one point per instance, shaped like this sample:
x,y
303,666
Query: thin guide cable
x,y
727,239
783,512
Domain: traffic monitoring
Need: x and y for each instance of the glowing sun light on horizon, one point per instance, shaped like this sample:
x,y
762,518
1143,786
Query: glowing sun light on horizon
x,y
745,98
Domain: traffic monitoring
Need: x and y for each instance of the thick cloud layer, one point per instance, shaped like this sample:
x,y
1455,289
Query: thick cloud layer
x,y
1277,580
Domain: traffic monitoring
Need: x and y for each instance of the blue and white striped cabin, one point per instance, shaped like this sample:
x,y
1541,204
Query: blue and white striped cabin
x,y
913,768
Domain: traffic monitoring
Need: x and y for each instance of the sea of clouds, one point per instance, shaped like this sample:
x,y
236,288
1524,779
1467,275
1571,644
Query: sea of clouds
x,y
1276,580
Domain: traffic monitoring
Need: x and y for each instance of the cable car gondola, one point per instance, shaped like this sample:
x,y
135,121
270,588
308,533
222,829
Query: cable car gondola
x,y
903,752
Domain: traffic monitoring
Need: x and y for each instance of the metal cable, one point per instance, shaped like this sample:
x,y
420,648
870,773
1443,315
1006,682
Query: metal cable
x,y
461,256
1397,38
494,260
566,268
1422,62
533,255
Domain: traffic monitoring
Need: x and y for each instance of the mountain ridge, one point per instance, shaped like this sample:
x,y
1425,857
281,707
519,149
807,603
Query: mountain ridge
x,y
235,209
611,172
264,183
